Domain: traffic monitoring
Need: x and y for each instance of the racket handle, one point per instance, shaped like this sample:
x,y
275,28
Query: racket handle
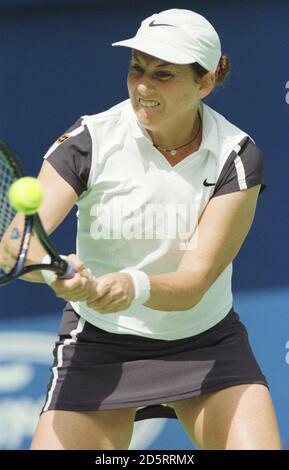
x,y
48,275
70,272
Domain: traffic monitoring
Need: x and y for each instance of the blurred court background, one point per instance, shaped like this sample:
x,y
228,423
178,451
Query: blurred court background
x,y
56,64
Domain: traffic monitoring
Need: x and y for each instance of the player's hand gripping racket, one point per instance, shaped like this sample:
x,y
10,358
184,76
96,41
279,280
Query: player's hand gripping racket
x,y
10,171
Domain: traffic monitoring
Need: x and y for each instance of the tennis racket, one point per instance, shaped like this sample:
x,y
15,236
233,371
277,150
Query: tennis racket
x,y
10,170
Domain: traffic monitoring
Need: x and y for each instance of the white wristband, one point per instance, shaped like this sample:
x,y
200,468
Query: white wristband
x,y
47,275
142,286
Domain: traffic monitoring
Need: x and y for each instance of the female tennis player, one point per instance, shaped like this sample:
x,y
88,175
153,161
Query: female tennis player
x,y
166,190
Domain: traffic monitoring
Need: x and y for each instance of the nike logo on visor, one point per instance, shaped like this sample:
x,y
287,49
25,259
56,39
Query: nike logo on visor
x,y
152,23
205,183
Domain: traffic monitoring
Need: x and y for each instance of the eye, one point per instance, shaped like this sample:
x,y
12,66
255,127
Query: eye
x,y
136,68
163,75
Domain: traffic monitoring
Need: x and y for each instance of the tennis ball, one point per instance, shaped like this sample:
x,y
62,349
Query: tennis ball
x,y
26,195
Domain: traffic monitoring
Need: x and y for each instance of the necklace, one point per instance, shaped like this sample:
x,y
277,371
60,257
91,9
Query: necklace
x,y
173,152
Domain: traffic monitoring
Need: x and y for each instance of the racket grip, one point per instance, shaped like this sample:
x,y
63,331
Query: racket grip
x,y
48,275
70,272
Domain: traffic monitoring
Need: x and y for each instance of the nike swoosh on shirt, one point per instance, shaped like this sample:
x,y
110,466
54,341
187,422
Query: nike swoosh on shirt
x,y
152,23
205,183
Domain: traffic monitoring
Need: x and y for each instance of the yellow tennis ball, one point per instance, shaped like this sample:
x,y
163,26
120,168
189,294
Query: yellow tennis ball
x,y
26,195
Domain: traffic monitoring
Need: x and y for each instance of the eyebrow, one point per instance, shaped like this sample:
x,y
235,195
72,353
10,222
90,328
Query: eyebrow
x,y
164,64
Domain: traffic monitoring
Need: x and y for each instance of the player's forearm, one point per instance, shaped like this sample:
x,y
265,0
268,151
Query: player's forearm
x,y
176,291
9,251
34,256
8,263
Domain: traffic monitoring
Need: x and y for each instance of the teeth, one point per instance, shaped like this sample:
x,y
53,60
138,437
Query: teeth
x,y
148,104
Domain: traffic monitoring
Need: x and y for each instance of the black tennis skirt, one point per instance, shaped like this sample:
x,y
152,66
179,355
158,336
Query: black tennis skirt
x,y
97,370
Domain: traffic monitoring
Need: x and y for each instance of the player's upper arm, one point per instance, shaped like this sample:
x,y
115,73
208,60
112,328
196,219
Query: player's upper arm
x,y
221,231
65,173
241,170
59,197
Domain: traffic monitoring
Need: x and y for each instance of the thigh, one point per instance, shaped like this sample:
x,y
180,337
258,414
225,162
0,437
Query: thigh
x,y
84,430
240,417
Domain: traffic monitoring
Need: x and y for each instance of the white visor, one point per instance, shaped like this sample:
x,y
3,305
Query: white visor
x,y
177,36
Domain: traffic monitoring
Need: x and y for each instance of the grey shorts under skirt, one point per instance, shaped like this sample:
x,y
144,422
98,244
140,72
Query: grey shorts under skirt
x,y
99,370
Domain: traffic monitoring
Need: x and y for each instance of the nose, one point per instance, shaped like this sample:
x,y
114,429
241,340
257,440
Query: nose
x,y
145,88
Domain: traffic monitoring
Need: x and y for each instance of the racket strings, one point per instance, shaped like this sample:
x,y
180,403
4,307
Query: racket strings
x,y
7,213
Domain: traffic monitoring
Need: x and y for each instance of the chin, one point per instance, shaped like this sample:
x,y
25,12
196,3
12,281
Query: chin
x,y
147,118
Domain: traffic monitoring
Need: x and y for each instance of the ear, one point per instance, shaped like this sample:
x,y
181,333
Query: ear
x,y
206,85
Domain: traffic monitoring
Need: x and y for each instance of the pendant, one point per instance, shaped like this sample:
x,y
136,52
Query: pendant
x,y
173,152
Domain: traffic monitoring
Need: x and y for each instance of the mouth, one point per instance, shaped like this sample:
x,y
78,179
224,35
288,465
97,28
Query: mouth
x,y
148,103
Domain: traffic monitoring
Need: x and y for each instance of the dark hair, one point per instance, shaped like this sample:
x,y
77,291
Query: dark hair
x,y
223,69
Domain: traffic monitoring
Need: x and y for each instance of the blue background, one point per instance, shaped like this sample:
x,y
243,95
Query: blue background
x,y
56,64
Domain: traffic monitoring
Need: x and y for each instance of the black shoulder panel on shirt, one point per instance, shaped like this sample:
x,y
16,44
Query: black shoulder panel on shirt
x,y
72,157
247,162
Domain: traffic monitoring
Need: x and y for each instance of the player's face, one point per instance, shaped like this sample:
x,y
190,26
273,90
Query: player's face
x,y
163,95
